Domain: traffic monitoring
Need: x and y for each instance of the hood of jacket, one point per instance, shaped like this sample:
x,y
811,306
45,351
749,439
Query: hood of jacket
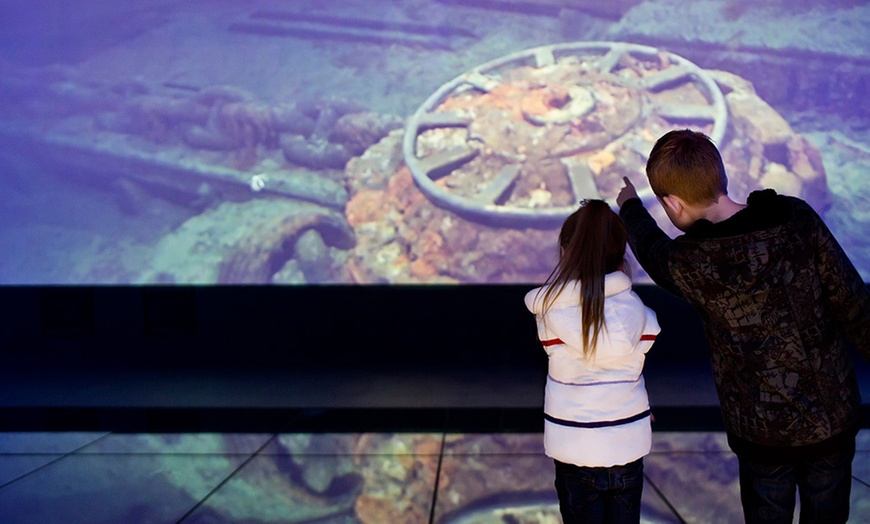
x,y
614,283
753,250
619,354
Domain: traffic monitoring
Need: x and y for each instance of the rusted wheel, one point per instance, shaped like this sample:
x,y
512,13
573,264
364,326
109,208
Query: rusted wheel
x,y
518,141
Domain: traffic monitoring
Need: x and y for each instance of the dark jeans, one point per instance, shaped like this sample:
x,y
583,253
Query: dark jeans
x,y
824,483
609,495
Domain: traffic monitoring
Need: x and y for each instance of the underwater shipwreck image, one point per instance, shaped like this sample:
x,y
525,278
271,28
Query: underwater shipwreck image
x,y
405,142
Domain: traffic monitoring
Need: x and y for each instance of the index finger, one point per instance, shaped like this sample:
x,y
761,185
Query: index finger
x,y
627,181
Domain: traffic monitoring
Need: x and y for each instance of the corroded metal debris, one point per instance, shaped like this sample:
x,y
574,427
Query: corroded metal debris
x,y
496,158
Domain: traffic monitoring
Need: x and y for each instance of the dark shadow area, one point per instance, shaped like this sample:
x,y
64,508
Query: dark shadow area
x,y
324,358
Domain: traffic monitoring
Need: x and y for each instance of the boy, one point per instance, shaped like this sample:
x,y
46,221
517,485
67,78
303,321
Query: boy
x,y
778,299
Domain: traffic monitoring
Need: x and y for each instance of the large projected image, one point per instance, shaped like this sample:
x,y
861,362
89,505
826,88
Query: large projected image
x,y
399,141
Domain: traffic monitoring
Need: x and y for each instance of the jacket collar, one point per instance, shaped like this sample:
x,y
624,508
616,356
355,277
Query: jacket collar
x,y
615,283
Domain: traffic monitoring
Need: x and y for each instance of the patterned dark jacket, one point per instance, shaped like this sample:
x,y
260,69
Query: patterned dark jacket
x,y
778,298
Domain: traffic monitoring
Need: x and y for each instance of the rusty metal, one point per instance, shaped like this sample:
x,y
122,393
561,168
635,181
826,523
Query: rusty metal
x,y
169,171
471,158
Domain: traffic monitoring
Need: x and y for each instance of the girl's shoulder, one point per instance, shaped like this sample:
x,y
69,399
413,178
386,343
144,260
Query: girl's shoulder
x,y
532,298
570,294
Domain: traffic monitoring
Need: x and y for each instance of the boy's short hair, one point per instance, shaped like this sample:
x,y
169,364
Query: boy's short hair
x,y
687,164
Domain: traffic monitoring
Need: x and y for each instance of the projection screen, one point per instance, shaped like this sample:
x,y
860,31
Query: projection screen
x,y
398,142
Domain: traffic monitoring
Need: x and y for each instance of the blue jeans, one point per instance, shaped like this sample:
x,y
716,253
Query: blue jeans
x,y
609,495
824,483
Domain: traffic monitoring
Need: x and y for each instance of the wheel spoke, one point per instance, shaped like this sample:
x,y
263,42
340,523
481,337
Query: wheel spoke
x,y
609,60
481,81
666,78
582,179
686,113
436,120
496,189
544,57
440,164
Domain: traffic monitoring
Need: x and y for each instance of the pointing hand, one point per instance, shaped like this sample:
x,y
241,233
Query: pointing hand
x,y
626,193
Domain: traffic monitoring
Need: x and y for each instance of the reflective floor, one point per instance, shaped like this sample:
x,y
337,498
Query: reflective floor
x,y
99,477
316,446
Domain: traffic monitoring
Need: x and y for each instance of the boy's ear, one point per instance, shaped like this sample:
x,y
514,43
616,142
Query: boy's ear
x,y
674,203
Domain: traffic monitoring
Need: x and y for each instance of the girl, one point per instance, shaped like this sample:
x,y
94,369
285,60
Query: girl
x,y
596,332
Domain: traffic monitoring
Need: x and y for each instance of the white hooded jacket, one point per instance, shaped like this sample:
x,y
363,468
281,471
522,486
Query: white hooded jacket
x,y
596,409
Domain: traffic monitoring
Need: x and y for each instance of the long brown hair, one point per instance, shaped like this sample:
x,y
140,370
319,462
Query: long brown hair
x,y
592,244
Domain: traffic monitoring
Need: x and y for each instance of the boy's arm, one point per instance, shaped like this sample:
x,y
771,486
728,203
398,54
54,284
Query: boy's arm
x,y
844,290
648,242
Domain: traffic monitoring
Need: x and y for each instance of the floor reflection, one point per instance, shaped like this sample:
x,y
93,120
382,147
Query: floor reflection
x,y
448,478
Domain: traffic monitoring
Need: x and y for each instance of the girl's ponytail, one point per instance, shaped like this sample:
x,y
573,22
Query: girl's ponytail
x,y
592,244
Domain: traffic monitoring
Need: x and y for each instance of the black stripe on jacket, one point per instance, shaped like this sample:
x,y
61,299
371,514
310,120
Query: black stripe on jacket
x,y
602,424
